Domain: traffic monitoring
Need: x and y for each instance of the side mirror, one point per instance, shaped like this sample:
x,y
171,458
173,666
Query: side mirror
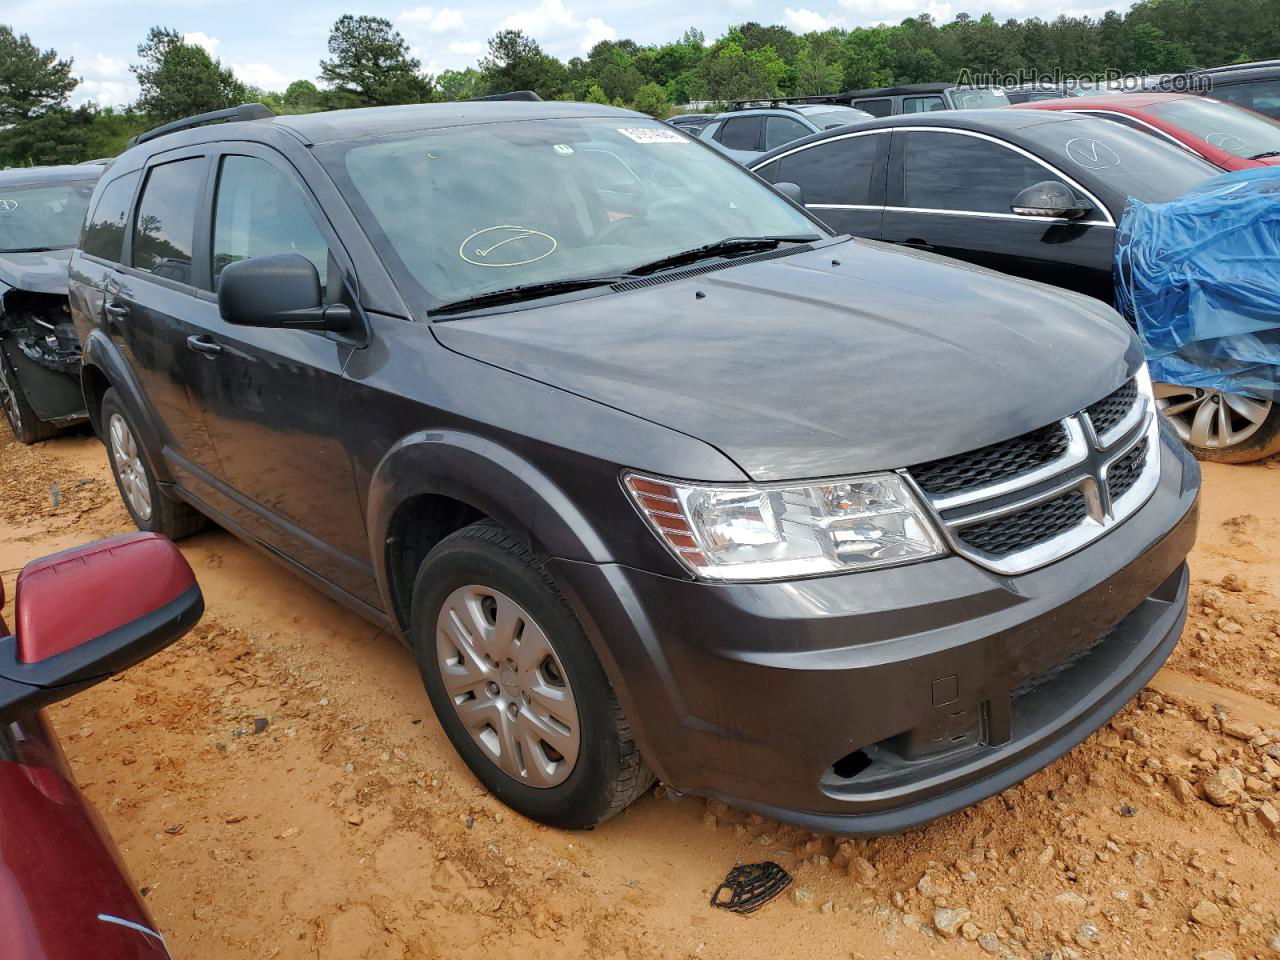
x,y
1049,198
792,191
281,291
87,613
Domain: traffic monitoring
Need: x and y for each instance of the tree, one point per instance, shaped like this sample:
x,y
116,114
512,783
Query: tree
x,y
302,96
461,84
371,65
516,62
652,99
63,135
32,81
179,79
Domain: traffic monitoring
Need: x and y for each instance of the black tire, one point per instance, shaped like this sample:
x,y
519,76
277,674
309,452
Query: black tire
x,y
609,772
170,517
26,426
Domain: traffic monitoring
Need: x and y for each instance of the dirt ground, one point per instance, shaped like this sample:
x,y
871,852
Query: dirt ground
x,y
347,828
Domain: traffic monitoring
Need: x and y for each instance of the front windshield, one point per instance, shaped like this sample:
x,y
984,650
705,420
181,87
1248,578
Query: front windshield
x,y
1131,163
979,98
42,216
1239,132
467,210
836,117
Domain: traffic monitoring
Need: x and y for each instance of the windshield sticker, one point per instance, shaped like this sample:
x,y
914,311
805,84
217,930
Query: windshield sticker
x,y
7,205
1092,154
507,246
1226,141
652,135
563,149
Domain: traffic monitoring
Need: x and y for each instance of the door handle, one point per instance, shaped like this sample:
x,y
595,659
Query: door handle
x,y
204,345
118,310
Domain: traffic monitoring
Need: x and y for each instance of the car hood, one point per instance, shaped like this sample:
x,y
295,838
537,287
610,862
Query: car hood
x,y
36,272
853,357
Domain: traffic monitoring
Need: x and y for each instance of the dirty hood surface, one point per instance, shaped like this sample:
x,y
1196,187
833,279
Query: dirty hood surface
x,y
857,356
36,272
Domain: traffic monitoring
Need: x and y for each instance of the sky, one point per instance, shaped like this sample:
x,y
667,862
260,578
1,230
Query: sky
x,y
271,44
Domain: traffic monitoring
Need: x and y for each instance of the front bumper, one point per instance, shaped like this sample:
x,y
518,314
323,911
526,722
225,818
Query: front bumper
x,y
873,702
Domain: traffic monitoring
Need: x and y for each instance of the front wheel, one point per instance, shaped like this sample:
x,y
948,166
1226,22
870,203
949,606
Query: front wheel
x,y
27,427
516,685
1222,427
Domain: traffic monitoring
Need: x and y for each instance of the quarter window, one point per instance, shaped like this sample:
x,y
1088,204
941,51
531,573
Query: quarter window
x,y
833,171
103,234
260,212
948,171
881,107
780,130
922,104
165,228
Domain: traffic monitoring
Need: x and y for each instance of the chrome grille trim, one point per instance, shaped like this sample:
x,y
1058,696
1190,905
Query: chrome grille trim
x,y
1084,467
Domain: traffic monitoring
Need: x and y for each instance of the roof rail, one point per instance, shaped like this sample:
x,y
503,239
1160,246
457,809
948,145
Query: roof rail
x,y
750,103
246,111
511,95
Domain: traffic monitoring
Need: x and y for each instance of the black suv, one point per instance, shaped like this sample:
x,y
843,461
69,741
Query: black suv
x,y
1254,86
651,471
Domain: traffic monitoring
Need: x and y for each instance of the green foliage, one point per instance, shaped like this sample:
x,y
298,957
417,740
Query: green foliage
x,y
461,84
62,135
371,65
652,99
301,96
179,79
516,62
32,81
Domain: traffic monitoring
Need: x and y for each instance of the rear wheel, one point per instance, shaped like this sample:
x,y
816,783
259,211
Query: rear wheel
x,y
1223,427
27,427
516,685
148,505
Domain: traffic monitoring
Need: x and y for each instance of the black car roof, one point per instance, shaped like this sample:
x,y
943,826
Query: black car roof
x,y
60,174
905,88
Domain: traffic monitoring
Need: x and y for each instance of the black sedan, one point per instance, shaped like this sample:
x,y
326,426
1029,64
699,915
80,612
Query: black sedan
x,y
1037,199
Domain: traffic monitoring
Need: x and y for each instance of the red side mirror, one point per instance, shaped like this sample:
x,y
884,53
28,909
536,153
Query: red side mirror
x,y
87,613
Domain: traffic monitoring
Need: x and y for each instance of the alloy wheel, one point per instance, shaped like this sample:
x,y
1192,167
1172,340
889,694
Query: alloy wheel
x,y
9,397
508,686
129,467
1209,418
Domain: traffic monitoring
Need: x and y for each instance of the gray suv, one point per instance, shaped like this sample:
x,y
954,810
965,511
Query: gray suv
x,y
748,133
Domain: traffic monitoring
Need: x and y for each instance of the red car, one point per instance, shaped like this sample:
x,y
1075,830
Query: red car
x,y
81,616
1228,136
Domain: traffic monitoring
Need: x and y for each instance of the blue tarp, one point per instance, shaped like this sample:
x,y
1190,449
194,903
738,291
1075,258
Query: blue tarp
x,y
1200,277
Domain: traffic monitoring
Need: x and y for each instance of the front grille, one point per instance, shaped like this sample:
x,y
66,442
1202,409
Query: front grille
x,y
1110,410
1018,531
993,463
1124,473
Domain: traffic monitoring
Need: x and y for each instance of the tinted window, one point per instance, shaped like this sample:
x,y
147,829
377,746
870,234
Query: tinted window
x,y
260,212
834,171
741,133
1239,132
780,130
922,104
1130,163
165,228
947,171
1260,95
103,234
877,108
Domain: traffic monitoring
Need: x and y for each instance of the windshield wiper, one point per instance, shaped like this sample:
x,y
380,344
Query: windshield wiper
x,y
721,248
33,249
525,291
1265,154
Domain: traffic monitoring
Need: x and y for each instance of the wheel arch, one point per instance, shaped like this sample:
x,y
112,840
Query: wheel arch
x,y
102,368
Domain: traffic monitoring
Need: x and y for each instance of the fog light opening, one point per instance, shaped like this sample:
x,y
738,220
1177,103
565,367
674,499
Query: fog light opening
x,y
851,764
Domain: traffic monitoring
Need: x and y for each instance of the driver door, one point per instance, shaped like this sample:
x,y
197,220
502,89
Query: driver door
x,y
951,192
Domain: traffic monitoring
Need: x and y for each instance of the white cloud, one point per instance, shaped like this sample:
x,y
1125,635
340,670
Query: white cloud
x,y
468,48
201,39
865,13
262,75
559,29
430,20
809,21
104,80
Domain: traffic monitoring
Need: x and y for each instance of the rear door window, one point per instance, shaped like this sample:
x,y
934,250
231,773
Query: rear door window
x,y
880,107
780,130
833,172
261,212
164,229
922,104
950,171
741,133
103,234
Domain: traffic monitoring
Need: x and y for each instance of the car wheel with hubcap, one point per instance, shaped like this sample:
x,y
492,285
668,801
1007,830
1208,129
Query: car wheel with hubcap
x,y
516,685
1218,426
148,505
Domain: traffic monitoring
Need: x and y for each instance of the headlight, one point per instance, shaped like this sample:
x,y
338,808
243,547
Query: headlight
x,y
766,532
